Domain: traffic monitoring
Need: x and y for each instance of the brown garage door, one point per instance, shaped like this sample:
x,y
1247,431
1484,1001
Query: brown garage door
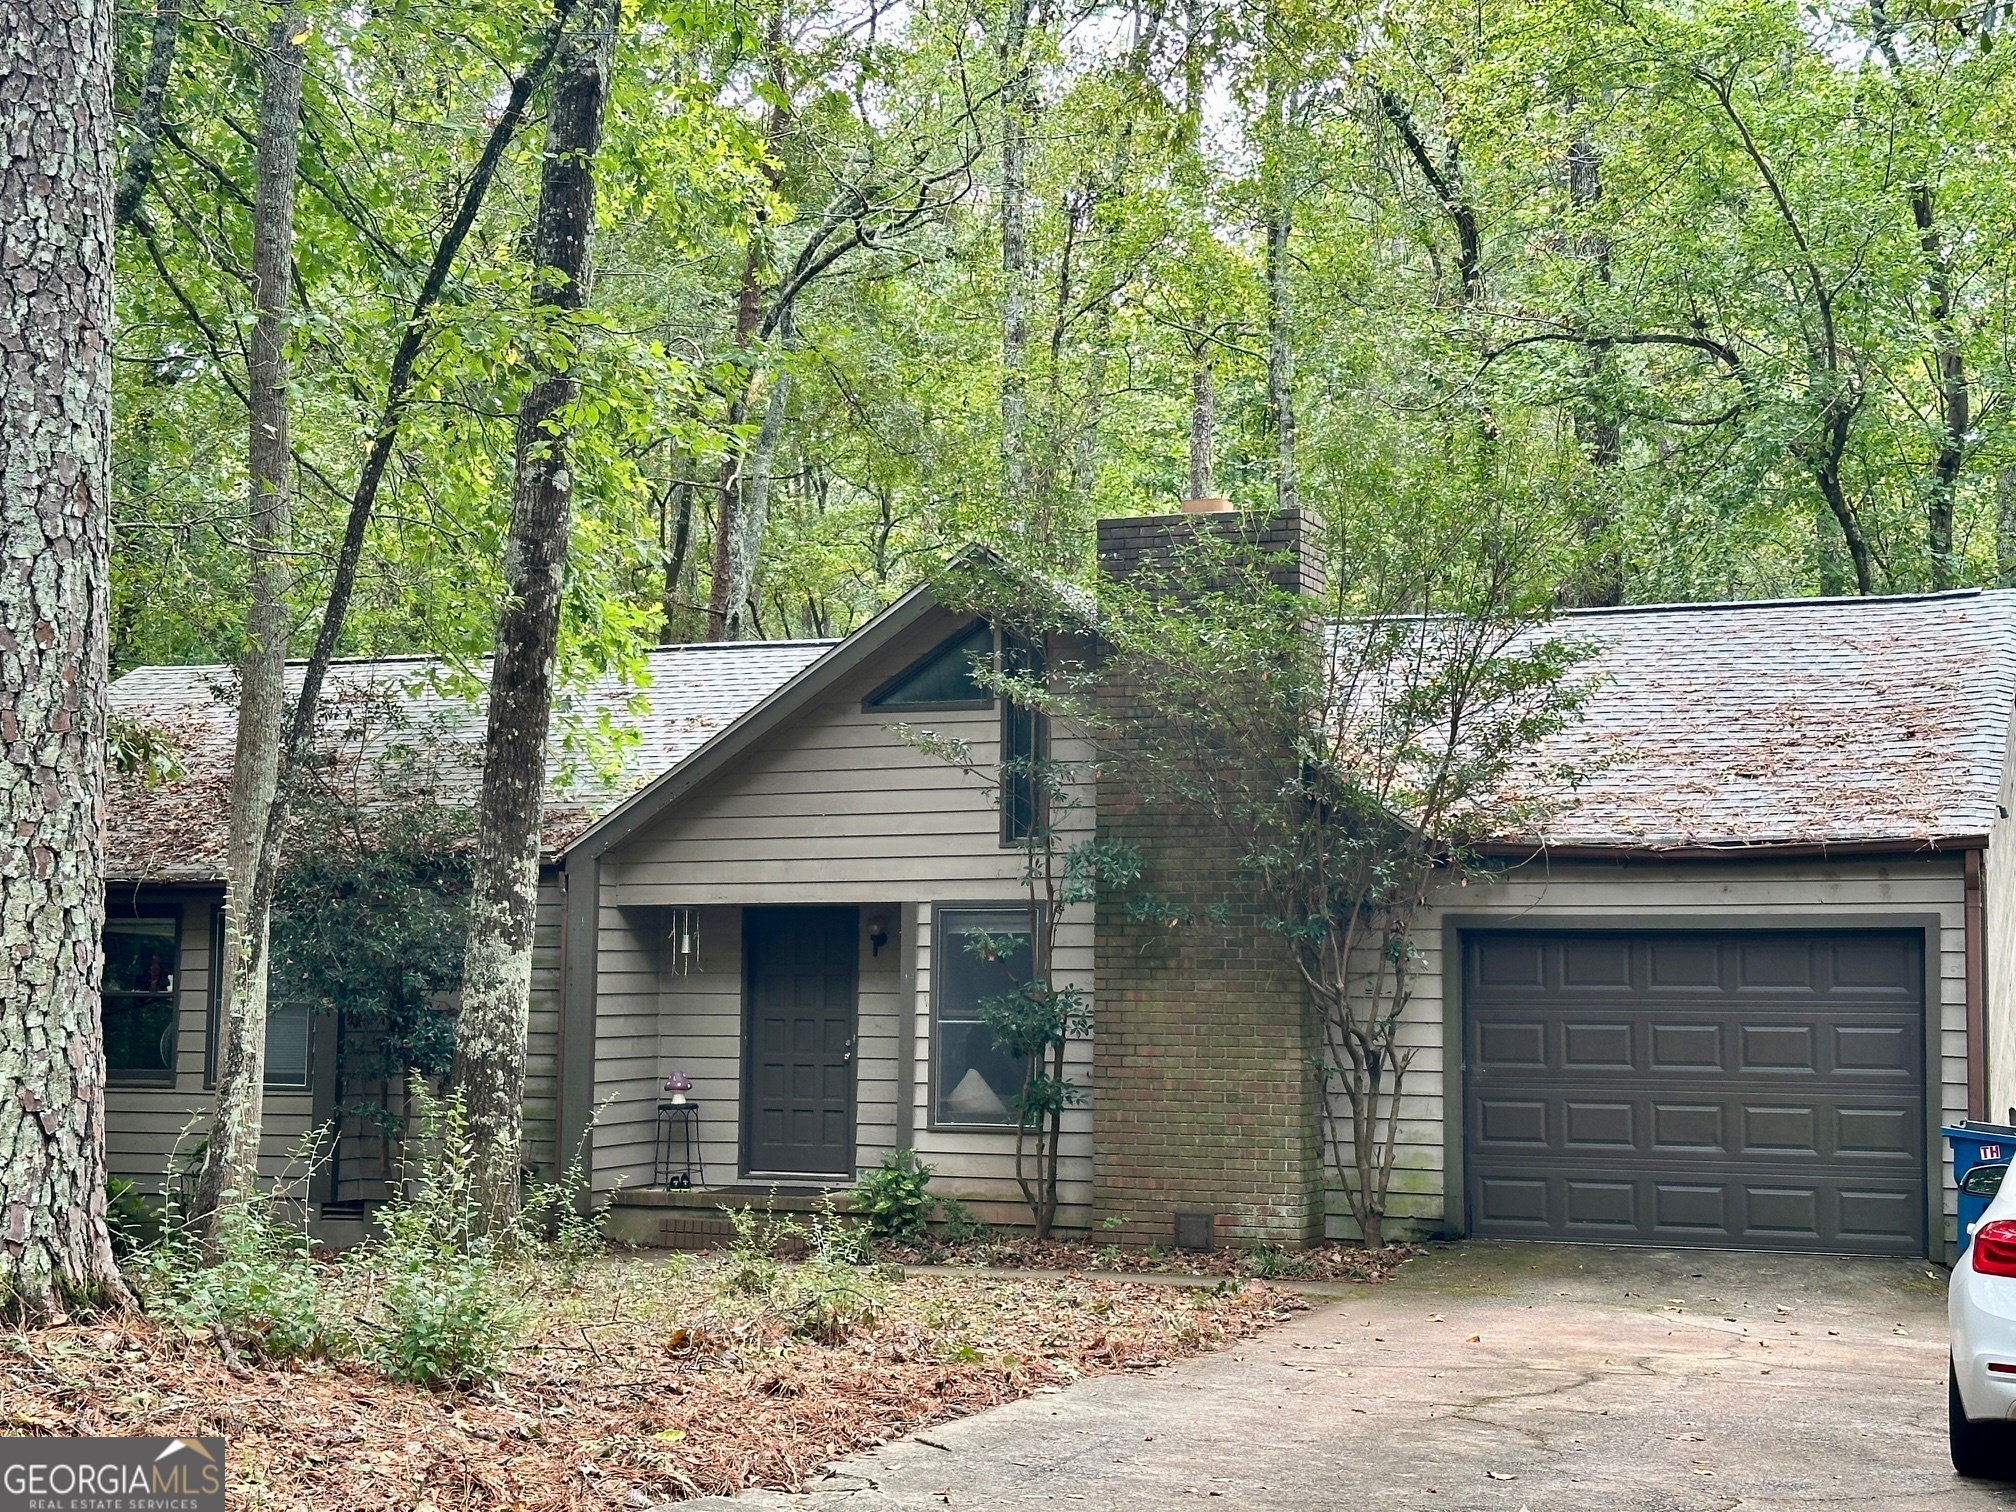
x,y
1762,1091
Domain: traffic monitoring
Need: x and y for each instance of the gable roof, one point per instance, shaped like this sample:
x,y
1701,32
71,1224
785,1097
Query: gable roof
x,y
392,714
777,708
1849,722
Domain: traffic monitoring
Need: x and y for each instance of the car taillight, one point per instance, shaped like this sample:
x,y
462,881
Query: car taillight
x,y
1994,1248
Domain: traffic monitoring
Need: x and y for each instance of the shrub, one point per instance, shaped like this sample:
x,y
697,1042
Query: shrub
x,y
262,1287
894,1197
137,1221
449,1299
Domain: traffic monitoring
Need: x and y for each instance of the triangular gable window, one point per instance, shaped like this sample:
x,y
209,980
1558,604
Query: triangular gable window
x,y
942,678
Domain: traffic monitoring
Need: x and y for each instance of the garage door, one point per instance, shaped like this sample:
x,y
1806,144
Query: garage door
x,y
1763,1091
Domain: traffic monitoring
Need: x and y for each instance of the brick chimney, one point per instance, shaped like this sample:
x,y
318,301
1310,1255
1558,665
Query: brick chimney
x,y
1288,538
1204,1102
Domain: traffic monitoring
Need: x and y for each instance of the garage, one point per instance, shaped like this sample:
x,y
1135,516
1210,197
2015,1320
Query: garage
x,y
1748,1089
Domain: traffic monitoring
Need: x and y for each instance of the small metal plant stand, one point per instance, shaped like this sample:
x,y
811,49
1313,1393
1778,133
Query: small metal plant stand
x,y
678,1163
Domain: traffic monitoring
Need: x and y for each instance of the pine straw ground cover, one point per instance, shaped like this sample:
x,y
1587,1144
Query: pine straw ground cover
x,y
1327,1261
645,1381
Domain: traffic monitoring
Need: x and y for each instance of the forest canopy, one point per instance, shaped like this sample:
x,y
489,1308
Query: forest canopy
x,y
1707,299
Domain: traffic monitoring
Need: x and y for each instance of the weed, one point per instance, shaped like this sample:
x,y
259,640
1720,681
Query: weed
x,y
961,1226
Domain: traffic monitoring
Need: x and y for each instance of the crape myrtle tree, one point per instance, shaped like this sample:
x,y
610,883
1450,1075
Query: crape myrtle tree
x,y
1353,751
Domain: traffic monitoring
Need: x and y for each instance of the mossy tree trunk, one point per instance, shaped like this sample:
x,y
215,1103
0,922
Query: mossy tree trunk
x,y
55,486
497,968
231,1159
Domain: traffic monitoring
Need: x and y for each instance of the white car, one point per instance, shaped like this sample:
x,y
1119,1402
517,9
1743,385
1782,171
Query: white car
x,y
1981,1319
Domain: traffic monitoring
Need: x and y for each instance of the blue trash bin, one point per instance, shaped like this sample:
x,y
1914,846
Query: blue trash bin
x,y
1988,1147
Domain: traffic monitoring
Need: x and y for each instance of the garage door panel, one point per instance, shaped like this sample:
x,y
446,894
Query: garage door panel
x,y
1779,1047
1686,1047
1743,1090
1596,962
1599,1125
1511,1043
1779,1131
1604,1045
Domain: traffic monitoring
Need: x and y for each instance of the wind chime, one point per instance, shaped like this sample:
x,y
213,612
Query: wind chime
x,y
684,939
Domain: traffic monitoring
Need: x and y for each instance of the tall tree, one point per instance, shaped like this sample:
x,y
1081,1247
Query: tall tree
x,y
55,489
497,966
138,169
1018,107
231,1157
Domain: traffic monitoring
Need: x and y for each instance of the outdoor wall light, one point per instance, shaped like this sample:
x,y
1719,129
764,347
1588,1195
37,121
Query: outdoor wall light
x,y
878,933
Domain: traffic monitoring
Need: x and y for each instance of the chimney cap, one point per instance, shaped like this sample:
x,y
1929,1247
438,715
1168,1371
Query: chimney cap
x,y
1206,506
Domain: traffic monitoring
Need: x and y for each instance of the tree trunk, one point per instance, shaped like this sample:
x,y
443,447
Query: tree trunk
x,y
55,492
1596,429
675,565
1203,420
1955,406
138,169
1280,356
231,1159
497,965
1015,113
2005,527
752,512
364,500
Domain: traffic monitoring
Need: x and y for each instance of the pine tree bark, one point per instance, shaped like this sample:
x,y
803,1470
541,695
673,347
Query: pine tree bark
x,y
55,489
489,1068
231,1158
138,170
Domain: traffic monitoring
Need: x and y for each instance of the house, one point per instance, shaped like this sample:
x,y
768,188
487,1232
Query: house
x,y
1725,997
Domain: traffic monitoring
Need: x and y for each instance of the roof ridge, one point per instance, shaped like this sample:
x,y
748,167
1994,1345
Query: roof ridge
x,y
416,658
1816,602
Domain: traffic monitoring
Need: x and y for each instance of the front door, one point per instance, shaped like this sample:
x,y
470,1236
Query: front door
x,y
798,1083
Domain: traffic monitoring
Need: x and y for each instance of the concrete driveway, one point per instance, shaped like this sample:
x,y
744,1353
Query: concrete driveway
x,y
1652,1381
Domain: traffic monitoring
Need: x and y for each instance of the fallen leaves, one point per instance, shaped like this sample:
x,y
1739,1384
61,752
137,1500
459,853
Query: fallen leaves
x,y
645,1381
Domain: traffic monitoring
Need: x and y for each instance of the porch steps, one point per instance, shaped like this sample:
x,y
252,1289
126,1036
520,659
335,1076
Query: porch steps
x,y
692,1219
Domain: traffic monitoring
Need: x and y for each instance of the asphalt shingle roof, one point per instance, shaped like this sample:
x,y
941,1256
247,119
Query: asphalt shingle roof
x,y
1817,721
391,715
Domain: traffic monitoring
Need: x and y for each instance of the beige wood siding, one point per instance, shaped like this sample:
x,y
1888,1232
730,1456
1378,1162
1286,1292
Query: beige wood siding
x,y
1999,907
542,1040
151,1131
1687,895
834,808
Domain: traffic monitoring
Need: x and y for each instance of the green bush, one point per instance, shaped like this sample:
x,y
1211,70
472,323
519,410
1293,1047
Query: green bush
x,y
262,1286
137,1221
894,1197
448,1299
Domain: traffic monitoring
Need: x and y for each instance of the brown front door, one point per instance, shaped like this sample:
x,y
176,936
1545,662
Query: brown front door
x,y
798,1086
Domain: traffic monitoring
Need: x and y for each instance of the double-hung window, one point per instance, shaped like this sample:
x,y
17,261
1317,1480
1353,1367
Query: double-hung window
x,y
979,953
142,958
